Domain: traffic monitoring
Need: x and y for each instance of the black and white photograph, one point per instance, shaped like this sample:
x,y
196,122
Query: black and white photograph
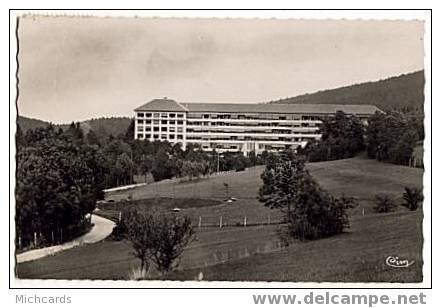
x,y
195,150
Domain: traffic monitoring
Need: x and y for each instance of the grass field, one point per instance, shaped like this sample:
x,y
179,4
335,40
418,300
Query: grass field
x,y
254,252
356,256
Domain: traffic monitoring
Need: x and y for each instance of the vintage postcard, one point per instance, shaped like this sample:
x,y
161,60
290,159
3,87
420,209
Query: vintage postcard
x,y
163,149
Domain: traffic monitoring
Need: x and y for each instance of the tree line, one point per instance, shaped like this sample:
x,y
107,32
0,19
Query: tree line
x,y
392,137
389,137
58,179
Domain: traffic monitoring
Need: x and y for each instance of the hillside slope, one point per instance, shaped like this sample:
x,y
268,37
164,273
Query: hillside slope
x,y
30,123
103,127
404,91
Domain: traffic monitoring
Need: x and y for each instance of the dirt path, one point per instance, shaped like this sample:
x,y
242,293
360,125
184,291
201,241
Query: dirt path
x,y
101,229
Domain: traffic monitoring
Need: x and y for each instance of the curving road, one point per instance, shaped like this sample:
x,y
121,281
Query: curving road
x,y
101,229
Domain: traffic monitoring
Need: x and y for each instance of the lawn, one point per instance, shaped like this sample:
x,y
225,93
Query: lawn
x,y
254,252
356,256
114,260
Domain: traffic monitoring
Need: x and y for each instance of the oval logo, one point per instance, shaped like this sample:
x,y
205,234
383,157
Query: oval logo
x,y
397,262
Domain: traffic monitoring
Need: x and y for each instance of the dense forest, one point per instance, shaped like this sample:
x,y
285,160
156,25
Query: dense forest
x,y
401,92
102,127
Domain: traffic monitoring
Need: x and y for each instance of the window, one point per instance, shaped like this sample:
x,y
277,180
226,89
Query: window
x,y
195,115
163,129
148,115
148,121
180,115
163,137
206,116
156,122
139,128
148,136
180,137
140,114
155,136
140,121
156,115
164,122
156,129
164,115
172,129
172,115
180,130
172,122
147,128
139,136
172,136
180,122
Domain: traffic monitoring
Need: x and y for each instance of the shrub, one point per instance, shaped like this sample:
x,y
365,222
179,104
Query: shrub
x,y
412,198
348,202
317,215
118,232
384,203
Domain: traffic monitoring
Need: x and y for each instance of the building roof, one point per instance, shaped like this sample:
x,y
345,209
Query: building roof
x,y
161,104
171,105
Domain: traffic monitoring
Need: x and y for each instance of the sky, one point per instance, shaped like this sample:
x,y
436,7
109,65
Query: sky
x,y
77,68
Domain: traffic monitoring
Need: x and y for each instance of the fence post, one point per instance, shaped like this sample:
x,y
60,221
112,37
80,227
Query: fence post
x,y
119,217
52,236
220,222
362,211
35,239
200,222
245,221
61,235
247,254
19,242
269,219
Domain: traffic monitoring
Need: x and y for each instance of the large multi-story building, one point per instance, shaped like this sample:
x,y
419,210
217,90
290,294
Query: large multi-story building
x,y
237,127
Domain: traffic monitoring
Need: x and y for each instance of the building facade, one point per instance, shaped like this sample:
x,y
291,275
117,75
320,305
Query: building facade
x,y
237,127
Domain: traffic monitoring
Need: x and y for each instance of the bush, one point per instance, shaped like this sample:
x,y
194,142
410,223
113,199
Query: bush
x,y
317,215
412,198
118,232
384,203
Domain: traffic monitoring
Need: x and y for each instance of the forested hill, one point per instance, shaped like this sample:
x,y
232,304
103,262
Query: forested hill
x,y
404,91
29,123
103,127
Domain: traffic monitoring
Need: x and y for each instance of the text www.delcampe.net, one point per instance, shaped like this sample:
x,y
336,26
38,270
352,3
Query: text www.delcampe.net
x,y
339,299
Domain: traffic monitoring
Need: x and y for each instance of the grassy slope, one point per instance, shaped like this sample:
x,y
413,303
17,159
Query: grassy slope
x,y
356,255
